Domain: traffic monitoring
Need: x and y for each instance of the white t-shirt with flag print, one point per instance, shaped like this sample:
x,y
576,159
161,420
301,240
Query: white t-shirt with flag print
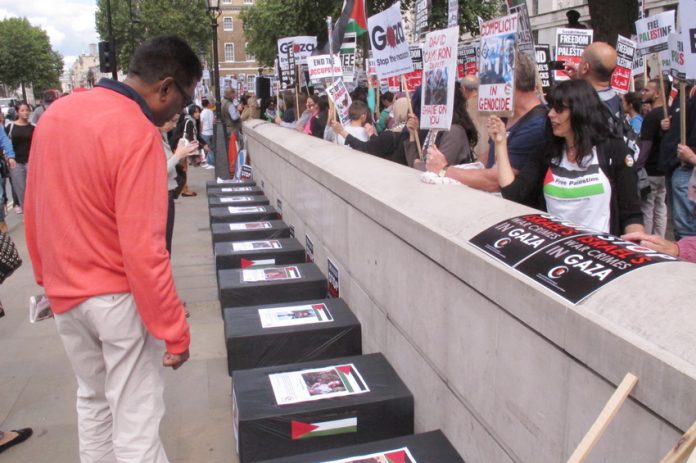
x,y
580,194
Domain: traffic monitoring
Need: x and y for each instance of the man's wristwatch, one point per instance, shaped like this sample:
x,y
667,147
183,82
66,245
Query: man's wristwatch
x,y
443,171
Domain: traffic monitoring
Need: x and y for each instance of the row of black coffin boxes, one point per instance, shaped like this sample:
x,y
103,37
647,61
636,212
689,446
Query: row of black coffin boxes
x,y
380,420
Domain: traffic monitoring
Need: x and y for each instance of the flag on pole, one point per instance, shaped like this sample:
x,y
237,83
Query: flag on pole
x,y
357,21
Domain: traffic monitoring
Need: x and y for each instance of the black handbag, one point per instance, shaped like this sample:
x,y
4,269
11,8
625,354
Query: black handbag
x,y
9,257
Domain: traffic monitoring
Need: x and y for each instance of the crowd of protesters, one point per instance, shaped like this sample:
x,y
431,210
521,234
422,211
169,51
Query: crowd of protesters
x,y
582,132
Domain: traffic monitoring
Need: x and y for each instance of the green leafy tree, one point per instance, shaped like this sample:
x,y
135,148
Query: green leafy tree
x,y
27,57
135,21
269,20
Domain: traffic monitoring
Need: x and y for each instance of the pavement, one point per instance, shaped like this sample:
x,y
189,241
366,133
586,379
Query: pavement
x,y
37,385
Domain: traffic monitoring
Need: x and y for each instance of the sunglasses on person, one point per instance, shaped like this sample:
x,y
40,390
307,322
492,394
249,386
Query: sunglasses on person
x,y
558,106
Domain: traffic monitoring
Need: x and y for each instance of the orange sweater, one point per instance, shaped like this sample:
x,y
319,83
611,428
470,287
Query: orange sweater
x,y
96,208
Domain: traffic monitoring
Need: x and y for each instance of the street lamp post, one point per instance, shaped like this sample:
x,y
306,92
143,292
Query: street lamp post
x,y
214,11
220,135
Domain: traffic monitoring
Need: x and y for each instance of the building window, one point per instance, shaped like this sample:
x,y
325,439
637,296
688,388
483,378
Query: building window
x,y
226,2
229,52
248,2
227,23
249,56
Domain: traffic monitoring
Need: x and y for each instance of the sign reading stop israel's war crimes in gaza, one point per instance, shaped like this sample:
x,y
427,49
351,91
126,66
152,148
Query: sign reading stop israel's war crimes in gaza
x,y
568,259
388,41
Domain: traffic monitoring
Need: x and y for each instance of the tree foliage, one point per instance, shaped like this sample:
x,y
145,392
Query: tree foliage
x,y
187,19
612,18
27,57
269,20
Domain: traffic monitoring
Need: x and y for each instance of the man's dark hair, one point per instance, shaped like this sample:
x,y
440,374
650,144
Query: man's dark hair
x,y
634,100
166,56
205,102
664,90
49,96
357,109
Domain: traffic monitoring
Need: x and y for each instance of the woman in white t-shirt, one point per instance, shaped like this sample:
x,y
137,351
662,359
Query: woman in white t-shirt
x,y
584,174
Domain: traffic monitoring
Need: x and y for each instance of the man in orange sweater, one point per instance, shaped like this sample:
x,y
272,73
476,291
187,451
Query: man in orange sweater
x,y
95,215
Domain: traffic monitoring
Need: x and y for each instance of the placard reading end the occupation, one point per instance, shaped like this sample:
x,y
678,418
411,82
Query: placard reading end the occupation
x,y
568,259
306,314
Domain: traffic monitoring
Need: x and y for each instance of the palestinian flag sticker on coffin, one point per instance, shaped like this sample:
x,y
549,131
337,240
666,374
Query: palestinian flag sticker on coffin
x,y
302,430
402,455
253,263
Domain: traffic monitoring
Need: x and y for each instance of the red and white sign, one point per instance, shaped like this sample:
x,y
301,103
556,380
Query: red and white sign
x,y
320,67
570,43
625,54
439,75
388,41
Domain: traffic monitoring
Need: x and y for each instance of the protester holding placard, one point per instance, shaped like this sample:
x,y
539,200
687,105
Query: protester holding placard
x,y
456,144
581,175
526,134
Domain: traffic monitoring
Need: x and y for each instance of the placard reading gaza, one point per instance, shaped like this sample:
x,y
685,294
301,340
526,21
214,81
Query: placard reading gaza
x,y
570,260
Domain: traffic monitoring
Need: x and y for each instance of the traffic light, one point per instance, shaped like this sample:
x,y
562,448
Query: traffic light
x,y
106,58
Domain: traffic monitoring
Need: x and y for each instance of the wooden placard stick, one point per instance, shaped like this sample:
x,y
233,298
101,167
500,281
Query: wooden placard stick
x,y
662,85
682,112
410,110
684,447
632,83
377,113
297,96
605,417
278,96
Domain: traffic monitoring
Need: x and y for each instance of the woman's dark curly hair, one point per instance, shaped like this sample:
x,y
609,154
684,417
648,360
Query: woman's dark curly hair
x,y
588,119
461,115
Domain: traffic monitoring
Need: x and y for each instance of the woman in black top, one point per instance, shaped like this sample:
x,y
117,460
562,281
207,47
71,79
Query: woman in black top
x,y
584,174
21,133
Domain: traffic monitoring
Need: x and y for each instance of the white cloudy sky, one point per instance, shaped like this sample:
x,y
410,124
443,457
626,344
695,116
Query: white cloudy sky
x,y
68,23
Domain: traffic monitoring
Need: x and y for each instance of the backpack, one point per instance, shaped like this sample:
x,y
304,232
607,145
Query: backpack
x,y
620,127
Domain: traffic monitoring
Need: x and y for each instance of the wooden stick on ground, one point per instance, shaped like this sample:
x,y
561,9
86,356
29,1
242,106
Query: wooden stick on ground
x,y
605,417
410,110
683,448
682,112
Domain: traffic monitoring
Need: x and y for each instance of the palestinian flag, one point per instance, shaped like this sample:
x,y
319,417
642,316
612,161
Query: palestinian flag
x,y
302,430
253,263
573,184
357,21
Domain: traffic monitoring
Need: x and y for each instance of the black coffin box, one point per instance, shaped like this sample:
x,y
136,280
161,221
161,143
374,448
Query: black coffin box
x,y
269,284
268,335
271,251
228,183
242,214
265,430
429,447
245,231
246,200
235,191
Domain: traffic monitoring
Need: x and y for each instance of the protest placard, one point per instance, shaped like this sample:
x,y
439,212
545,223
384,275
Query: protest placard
x,y
452,13
422,17
570,43
317,384
347,56
677,68
415,77
467,58
542,56
389,45
302,47
338,93
525,39
320,67
439,74
622,75
496,66
653,32
688,27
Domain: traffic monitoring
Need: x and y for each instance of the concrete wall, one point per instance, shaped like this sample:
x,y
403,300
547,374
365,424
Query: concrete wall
x,y
506,369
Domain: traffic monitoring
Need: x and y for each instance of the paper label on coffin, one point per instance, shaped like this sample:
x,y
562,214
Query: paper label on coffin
x,y
255,263
302,430
237,189
232,181
250,226
255,245
270,274
235,199
402,455
243,209
307,314
317,384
